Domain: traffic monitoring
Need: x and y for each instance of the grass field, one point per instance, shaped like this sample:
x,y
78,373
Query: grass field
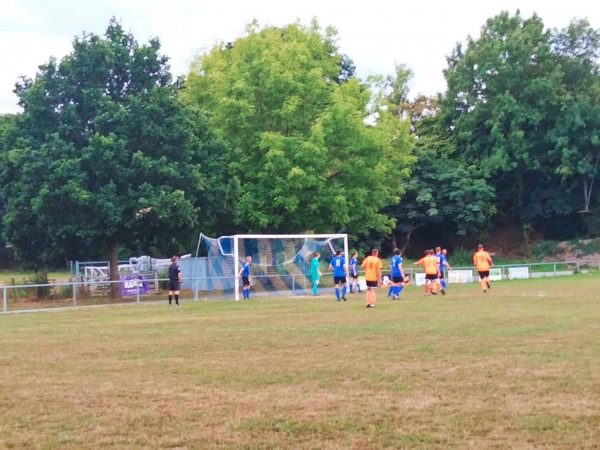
x,y
12,277
517,367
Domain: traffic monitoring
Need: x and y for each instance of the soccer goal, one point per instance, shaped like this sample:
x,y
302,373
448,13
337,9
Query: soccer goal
x,y
280,263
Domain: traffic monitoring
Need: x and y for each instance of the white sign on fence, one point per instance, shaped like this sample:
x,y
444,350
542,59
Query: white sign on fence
x,y
518,272
495,274
362,283
460,276
419,279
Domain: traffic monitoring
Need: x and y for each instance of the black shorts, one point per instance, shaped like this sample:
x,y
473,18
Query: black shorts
x,y
174,285
399,279
245,281
431,277
339,280
371,284
483,274
354,277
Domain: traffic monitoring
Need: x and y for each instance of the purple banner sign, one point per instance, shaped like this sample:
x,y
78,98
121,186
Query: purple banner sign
x,y
131,283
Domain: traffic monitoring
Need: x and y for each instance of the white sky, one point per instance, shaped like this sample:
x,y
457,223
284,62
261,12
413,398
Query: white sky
x,y
375,34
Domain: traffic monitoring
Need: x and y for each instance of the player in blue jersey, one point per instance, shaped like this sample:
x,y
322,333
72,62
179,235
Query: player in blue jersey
x,y
397,273
441,256
338,265
391,283
354,272
245,274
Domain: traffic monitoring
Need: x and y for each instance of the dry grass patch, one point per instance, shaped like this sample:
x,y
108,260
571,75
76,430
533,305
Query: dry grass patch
x,y
516,368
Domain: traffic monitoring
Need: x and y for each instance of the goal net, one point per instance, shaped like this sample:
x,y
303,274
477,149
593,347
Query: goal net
x,y
280,263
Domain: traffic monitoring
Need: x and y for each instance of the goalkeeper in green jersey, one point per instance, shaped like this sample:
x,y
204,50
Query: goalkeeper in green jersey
x,y
315,273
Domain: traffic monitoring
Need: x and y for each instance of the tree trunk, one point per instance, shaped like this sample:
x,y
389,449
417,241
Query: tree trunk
x,y
587,196
592,223
519,195
113,267
394,240
587,189
409,233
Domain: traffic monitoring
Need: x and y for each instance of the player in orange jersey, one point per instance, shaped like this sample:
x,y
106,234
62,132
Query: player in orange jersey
x,y
482,261
432,271
372,265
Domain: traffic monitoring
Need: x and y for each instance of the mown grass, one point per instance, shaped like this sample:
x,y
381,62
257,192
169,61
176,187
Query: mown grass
x,y
514,368
17,277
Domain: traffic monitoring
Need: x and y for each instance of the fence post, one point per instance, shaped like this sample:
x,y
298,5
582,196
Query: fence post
x,y
137,291
74,285
4,299
554,269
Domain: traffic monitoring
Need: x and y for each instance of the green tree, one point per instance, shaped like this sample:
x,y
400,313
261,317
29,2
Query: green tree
x,y
442,191
108,155
8,131
296,120
8,135
392,90
504,92
576,134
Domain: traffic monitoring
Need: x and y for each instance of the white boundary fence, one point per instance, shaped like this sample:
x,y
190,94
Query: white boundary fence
x,y
510,271
71,294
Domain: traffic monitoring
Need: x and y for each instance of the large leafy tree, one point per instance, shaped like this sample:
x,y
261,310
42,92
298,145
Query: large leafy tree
x,y
8,131
297,121
108,155
8,135
576,134
443,192
504,92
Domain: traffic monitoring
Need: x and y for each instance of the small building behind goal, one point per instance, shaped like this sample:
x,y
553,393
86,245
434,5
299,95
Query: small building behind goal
x,y
280,263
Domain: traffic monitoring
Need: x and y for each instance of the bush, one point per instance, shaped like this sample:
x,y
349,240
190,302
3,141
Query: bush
x,y
543,249
461,257
588,247
164,283
40,277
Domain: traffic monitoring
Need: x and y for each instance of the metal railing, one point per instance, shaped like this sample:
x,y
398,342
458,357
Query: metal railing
x,y
35,297
535,270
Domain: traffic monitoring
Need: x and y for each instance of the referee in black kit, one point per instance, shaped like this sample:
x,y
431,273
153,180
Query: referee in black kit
x,y
175,280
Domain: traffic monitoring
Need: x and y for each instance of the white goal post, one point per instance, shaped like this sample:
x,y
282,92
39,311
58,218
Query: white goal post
x,y
280,262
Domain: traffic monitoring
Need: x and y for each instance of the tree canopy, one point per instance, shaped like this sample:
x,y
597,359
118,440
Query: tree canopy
x,y
296,120
443,192
522,101
106,155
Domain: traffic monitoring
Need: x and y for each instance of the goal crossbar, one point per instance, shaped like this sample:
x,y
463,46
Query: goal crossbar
x,y
291,236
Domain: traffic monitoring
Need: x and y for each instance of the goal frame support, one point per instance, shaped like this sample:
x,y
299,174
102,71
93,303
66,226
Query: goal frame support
x,y
236,247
